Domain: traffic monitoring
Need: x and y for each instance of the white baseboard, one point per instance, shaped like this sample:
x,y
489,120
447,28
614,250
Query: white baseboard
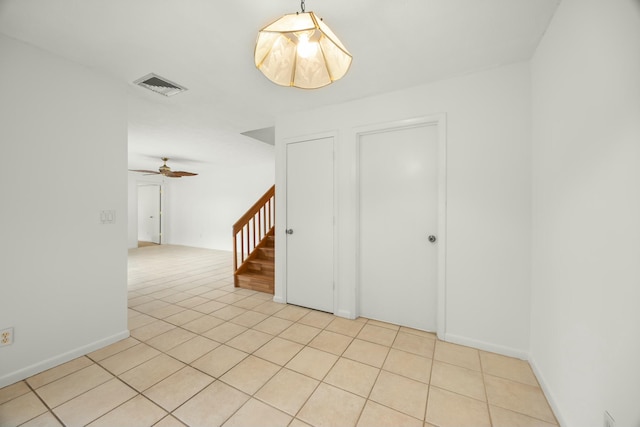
x,y
482,345
36,368
345,313
547,392
279,299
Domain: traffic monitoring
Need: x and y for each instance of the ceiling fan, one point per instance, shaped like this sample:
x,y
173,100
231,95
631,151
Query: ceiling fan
x,y
166,171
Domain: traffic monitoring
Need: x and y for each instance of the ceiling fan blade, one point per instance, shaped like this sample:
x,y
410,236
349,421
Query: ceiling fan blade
x,y
172,175
144,171
182,173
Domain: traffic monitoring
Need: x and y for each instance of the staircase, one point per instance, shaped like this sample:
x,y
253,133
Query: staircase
x,y
254,246
258,273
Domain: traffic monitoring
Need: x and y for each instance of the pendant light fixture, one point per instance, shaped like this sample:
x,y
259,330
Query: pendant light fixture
x,y
300,50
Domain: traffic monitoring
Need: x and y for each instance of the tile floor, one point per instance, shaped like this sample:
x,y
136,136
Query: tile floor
x,y
202,353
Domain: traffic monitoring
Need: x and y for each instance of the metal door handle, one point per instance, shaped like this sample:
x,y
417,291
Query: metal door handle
x,y
432,238
289,231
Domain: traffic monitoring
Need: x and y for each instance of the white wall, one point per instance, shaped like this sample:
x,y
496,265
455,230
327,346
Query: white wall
x,y
64,155
202,209
585,323
488,191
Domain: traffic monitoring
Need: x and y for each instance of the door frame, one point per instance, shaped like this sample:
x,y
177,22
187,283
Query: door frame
x,y
161,185
280,288
438,120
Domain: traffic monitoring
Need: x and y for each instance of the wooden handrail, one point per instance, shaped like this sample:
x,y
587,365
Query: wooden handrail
x,y
253,227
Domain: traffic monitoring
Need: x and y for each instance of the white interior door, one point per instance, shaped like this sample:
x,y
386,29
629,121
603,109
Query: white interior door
x,y
310,224
149,213
398,211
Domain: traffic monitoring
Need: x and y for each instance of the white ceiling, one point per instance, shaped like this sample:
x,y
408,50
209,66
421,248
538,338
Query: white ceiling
x,y
207,46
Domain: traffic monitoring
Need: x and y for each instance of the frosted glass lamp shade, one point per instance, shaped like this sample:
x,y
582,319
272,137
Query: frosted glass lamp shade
x,y
300,50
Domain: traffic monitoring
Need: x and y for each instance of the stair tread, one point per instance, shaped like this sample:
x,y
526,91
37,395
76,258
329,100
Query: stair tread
x,y
261,261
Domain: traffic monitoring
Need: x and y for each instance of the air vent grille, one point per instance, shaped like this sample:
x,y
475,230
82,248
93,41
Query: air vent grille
x,y
159,85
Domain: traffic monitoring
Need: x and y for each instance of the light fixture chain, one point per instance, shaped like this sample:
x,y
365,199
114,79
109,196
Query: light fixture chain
x,y
302,5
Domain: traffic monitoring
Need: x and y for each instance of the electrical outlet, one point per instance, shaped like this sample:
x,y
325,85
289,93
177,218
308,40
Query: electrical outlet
x,y
6,337
608,420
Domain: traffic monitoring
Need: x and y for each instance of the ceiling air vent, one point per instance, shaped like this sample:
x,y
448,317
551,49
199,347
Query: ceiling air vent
x,y
160,85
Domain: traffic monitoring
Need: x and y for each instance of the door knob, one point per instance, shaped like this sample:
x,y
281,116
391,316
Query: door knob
x,y
289,231
432,238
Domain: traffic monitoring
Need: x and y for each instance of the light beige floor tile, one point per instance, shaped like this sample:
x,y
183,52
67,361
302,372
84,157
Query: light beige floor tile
x,y
170,339
301,334
151,372
12,391
66,388
459,355
185,316
518,397
383,324
507,367
377,334
256,413
112,349
352,376
278,351
292,312
458,380
220,360
138,300
381,416
151,330
264,296
167,311
312,362
21,409
229,312
198,410
416,344
203,324
297,423
408,365
140,320
94,403
269,308
169,421
317,319
249,319
137,412
162,293
192,302
248,303
447,409
345,326
400,393
198,290
45,420
225,332
129,358
150,306
329,406
331,342
287,390
176,297
504,418
216,293
273,325
250,374
249,341
231,298
60,371
176,389
193,349
367,352
418,332
209,307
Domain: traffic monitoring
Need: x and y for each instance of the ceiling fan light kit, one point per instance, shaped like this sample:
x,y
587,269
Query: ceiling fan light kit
x,y
165,170
300,50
